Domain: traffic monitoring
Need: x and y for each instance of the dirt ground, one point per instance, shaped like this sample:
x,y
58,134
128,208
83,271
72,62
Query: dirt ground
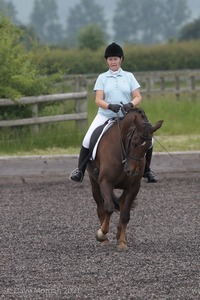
x,y
49,250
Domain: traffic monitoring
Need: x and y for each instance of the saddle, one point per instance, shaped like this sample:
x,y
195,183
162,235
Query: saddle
x,y
97,135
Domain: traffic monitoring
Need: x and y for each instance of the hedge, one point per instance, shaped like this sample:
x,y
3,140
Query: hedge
x,y
171,56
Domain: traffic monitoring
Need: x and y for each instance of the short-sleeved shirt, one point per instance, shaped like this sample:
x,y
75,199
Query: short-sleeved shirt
x,y
117,88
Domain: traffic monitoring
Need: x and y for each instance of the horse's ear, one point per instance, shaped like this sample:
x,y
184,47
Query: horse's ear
x,y
157,125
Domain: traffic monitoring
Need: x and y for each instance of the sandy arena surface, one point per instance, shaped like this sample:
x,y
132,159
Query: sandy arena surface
x,y
49,250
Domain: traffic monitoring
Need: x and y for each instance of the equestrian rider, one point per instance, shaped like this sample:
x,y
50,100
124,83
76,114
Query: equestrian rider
x,y
112,88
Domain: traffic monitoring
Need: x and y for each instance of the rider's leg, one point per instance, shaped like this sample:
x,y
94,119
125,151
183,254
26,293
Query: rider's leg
x,y
78,174
148,173
84,156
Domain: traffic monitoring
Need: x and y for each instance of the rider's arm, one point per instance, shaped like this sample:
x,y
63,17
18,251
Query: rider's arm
x,y
99,99
136,97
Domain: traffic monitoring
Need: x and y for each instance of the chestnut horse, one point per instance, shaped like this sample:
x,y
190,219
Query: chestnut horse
x,y
119,164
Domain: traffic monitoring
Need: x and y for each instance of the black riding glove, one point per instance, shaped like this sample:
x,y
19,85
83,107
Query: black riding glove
x,y
114,107
128,106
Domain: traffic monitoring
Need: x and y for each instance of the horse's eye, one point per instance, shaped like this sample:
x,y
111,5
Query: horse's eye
x,y
143,144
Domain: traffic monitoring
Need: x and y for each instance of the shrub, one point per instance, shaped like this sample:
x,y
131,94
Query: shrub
x,y
21,72
170,56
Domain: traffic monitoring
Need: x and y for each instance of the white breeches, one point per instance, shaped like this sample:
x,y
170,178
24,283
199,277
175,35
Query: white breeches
x,y
98,120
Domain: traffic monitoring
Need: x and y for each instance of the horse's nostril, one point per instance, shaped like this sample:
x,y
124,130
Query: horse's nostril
x,y
132,173
128,173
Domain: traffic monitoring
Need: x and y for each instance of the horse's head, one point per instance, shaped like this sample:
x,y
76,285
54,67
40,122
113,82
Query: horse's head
x,y
137,139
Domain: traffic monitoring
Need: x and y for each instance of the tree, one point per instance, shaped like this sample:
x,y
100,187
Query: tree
x,y
45,21
83,14
126,21
28,36
20,72
150,21
190,31
174,14
91,37
7,9
147,21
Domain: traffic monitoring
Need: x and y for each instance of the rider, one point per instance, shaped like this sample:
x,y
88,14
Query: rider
x,y
112,88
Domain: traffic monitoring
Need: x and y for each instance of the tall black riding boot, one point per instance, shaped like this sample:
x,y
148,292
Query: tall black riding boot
x,y
148,173
78,174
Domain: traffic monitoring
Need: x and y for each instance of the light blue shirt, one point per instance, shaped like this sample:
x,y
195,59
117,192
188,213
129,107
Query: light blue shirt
x,y
117,88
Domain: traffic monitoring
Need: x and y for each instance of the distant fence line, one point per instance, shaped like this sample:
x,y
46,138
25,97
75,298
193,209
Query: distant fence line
x,y
155,82
80,116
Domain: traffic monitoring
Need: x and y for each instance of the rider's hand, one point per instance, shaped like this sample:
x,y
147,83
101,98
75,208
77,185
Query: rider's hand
x,y
128,106
114,107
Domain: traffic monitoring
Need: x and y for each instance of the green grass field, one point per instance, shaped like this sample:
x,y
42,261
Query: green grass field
x,y
180,130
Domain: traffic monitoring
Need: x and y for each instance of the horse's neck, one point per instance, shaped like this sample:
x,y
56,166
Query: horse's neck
x,y
127,122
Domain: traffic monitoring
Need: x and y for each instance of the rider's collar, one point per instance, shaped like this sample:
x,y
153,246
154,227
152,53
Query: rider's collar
x,y
115,72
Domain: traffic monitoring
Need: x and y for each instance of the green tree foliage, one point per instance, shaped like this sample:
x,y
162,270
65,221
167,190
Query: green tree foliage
x,y
148,21
190,31
126,21
174,14
45,21
91,37
85,13
7,9
28,37
21,71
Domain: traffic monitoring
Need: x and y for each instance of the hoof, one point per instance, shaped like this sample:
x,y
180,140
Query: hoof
x,y
122,246
100,236
105,243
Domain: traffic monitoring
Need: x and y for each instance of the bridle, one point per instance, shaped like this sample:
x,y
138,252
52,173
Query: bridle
x,y
125,150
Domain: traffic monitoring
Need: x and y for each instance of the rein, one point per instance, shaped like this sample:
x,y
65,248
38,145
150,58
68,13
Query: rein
x,y
122,145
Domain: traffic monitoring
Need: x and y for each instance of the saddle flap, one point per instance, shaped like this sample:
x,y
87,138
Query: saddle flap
x,y
97,135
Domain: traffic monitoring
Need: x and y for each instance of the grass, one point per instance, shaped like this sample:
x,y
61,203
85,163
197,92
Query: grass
x,y
180,130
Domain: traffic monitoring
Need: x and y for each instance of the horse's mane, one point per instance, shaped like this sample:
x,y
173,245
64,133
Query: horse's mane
x,y
140,111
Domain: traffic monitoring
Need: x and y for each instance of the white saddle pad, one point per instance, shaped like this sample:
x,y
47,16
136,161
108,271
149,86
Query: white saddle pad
x,y
94,152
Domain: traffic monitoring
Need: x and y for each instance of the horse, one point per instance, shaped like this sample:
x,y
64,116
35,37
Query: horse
x,y
119,164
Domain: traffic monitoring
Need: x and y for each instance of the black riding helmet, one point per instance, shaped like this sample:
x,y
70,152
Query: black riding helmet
x,y
114,50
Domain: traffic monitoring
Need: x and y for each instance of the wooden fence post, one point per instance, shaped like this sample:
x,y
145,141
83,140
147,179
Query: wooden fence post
x,y
162,85
193,86
177,86
81,107
148,87
36,127
80,83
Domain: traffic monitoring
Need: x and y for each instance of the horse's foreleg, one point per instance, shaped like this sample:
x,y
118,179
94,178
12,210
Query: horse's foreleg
x,y
126,202
106,192
98,199
122,242
123,221
101,234
106,223
96,193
